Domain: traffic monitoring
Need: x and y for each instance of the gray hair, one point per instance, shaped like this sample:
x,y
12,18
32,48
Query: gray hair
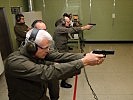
x,y
41,35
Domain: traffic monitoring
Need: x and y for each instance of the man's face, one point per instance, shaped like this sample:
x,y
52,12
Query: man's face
x,y
43,49
22,20
67,20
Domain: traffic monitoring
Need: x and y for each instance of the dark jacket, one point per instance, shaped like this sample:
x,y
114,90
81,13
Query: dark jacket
x,y
27,76
58,22
61,36
20,30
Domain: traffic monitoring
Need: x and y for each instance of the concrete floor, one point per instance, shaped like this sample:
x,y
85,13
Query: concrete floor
x,y
112,80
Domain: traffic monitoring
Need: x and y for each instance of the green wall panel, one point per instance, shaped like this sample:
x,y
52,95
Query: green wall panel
x,y
107,28
51,12
7,4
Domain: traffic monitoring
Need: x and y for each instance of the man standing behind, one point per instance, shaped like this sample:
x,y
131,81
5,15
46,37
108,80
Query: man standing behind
x,y
20,29
53,85
61,38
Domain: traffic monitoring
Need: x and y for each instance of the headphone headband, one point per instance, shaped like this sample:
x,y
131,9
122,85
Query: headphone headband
x,y
31,46
33,34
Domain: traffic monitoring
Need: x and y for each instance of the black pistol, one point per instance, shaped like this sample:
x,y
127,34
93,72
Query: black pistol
x,y
91,24
104,52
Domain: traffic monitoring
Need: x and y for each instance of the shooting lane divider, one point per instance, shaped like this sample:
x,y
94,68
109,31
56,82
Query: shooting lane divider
x,y
90,11
113,13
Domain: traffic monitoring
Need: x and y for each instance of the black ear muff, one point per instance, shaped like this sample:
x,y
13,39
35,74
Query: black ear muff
x,y
18,18
31,46
63,22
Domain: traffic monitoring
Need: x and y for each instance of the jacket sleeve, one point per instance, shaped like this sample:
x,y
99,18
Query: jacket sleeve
x,y
21,31
22,67
64,30
55,56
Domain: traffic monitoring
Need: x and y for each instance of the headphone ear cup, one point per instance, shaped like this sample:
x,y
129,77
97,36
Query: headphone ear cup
x,y
18,19
63,22
31,47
